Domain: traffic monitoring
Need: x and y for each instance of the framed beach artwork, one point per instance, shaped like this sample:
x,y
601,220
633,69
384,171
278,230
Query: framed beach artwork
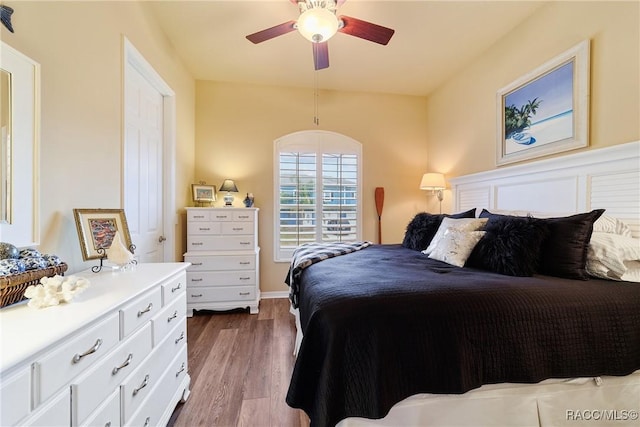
x,y
96,229
546,111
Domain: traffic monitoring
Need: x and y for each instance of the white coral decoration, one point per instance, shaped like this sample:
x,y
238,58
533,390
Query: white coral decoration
x,y
54,290
118,252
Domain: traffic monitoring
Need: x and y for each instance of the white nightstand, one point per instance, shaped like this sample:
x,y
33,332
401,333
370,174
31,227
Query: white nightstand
x,y
222,247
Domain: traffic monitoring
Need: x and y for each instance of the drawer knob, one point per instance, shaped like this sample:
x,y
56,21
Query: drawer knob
x,y
197,280
143,385
180,338
126,363
196,295
245,262
170,318
238,228
196,243
181,370
196,263
177,287
244,278
96,346
245,243
146,310
244,294
204,229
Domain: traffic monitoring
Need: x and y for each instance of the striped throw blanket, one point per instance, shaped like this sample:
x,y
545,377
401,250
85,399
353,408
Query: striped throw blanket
x,y
310,253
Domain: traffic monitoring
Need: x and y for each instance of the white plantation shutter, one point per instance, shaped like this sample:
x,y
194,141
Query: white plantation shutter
x,y
317,190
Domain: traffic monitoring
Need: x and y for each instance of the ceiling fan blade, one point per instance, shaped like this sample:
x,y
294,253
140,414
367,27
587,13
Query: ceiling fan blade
x,y
320,55
366,30
272,32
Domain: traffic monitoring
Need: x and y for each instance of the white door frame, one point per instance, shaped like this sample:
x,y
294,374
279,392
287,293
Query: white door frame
x,y
134,58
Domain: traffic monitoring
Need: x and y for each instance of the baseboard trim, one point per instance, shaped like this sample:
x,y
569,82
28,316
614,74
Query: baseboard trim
x,y
274,294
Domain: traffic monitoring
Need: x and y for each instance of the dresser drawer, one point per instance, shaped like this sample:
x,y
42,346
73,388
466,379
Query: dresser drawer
x,y
225,293
221,278
203,227
197,215
135,389
233,228
152,410
53,413
139,311
220,243
15,395
243,216
173,288
74,356
221,262
168,318
107,414
95,385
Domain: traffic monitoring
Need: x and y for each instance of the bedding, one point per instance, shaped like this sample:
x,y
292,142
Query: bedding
x,y
419,325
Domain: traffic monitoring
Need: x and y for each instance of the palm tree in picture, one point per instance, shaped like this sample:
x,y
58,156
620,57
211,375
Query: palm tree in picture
x,y
517,119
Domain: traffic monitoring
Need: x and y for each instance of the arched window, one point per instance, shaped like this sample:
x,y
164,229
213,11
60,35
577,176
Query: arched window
x,y
317,190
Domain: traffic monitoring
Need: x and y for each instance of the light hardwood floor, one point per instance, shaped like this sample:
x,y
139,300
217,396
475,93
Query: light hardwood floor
x,y
240,365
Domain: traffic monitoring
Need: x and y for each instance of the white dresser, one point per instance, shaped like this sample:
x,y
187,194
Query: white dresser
x,y
115,356
222,247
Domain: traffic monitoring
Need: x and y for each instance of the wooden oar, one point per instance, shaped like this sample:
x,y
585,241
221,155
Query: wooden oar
x,y
379,204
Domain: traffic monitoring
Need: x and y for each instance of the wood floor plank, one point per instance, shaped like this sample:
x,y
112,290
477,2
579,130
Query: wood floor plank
x,y
240,365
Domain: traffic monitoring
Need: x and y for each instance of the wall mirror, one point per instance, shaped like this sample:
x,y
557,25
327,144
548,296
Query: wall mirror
x,y
19,130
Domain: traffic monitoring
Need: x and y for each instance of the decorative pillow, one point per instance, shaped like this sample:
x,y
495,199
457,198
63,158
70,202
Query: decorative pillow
x,y
511,245
608,254
424,226
633,271
455,246
460,224
609,224
564,251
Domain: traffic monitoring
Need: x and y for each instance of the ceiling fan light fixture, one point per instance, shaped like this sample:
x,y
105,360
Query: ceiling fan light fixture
x,y
317,24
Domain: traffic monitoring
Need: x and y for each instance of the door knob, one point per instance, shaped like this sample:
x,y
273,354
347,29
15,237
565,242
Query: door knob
x,y
161,239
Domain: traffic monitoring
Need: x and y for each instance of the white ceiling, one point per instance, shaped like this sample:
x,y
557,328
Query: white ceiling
x,y
433,40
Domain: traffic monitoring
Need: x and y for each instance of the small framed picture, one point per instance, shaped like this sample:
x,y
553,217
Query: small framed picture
x,y
96,229
203,193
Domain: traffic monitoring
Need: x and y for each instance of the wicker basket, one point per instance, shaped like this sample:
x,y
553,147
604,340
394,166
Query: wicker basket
x,y
12,287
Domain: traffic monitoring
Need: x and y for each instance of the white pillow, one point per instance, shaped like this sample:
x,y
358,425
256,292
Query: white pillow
x,y
633,271
460,224
455,246
609,224
608,255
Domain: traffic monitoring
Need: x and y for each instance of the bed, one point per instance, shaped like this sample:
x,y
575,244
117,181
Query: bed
x,y
392,336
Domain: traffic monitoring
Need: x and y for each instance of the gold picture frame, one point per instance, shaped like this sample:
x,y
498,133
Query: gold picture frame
x,y
96,229
203,193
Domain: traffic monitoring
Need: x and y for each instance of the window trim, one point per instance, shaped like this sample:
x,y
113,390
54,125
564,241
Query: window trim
x,y
319,142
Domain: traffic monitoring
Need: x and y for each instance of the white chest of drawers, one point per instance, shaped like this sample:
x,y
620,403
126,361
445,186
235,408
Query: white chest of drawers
x,y
116,355
222,247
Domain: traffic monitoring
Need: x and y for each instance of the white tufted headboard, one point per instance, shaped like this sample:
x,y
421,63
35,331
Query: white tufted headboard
x,y
606,178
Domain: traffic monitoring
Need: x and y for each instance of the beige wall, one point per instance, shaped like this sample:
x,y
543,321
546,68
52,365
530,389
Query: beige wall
x,y
461,124
237,124
79,47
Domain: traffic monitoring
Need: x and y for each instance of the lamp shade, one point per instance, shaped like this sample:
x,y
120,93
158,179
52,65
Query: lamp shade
x,y
317,24
432,181
229,186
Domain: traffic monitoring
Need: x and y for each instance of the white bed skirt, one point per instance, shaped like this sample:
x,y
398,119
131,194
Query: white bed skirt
x,y
600,401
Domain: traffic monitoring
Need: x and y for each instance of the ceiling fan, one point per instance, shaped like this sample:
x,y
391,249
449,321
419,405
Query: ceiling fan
x,y
318,22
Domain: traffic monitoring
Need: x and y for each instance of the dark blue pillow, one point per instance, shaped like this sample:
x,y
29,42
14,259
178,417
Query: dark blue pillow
x,y
511,245
424,226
